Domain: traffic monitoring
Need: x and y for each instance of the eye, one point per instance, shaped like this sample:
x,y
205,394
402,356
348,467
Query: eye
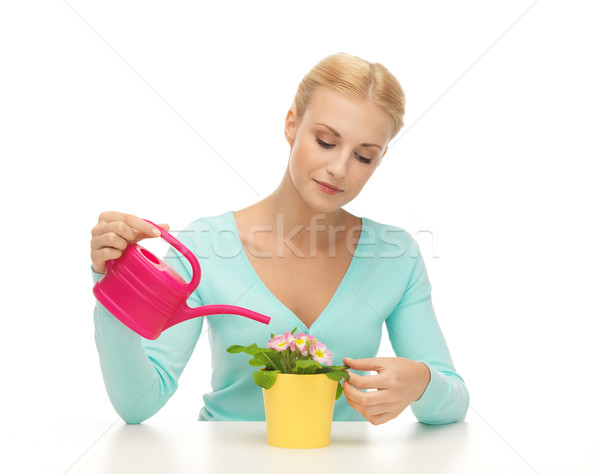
x,y
323,144
362,159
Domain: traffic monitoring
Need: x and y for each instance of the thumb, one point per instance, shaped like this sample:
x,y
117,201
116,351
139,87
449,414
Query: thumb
x,y
165,226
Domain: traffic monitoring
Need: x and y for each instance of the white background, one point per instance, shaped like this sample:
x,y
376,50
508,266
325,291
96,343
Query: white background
x,y
149,107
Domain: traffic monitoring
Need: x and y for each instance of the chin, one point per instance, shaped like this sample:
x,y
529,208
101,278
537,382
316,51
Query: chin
x,y
322,205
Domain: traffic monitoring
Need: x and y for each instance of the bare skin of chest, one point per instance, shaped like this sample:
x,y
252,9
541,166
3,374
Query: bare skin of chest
x,y
303,284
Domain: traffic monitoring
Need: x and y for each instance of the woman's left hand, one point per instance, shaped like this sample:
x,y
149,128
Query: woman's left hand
x,y
399,382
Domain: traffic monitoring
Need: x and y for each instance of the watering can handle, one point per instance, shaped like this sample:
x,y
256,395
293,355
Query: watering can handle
x,y
186,253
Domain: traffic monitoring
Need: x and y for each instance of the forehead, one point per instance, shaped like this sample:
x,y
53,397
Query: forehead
x,y
352,118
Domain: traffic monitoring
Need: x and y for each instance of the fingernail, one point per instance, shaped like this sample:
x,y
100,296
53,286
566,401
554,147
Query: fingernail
x,y
156,232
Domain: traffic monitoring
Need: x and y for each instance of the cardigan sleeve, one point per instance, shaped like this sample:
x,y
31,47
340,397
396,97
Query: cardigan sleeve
x,y
415,334
140,375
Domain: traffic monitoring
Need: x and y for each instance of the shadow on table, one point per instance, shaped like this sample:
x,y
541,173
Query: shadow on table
x,y
358,447
251,443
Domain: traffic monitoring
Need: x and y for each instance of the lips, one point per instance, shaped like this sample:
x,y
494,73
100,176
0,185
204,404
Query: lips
x,y
330,186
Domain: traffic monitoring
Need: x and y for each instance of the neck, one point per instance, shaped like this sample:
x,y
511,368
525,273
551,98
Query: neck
x,y
301,228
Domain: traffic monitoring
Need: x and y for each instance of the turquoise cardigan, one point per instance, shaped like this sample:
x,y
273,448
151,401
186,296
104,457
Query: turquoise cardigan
x,y
386,283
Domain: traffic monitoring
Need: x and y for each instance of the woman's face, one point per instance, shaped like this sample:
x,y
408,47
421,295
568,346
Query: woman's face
x,y
339,142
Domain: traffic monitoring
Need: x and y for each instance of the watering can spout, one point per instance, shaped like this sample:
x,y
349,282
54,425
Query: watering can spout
x,y
185,312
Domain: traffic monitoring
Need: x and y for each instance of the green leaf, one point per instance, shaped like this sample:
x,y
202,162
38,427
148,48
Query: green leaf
x,y
306,366
339,391
273,358
294,330
335,375
257,363
337,367
265,378
235,349
307,363
268,359
251,349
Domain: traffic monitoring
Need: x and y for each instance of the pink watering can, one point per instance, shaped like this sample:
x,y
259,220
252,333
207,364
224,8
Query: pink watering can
x,y
148,296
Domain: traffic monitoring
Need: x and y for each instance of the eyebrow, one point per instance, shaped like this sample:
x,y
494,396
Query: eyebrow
x,y
337,134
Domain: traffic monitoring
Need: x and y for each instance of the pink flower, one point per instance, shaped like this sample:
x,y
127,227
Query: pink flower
x,y
289,338
319,352
299,343
279,343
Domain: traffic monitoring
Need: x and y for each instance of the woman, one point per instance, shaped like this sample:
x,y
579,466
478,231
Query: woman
x,y
302,259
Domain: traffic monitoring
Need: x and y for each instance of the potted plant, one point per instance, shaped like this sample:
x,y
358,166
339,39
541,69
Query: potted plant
x,y
299,387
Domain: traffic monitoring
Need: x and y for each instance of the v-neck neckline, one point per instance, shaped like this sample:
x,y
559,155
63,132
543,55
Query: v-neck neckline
x,y
336,295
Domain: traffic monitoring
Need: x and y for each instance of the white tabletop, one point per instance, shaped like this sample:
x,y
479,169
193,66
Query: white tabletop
x,y
399,446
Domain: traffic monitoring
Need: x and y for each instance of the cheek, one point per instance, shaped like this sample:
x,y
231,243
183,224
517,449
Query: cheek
x,y
359,177
297,165
304,156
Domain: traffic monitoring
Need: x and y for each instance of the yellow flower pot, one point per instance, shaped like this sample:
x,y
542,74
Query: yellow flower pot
x,y
299,410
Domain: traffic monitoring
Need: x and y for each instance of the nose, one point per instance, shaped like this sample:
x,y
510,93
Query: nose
x,y
337,165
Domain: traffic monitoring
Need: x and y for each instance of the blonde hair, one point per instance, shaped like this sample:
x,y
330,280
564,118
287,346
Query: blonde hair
x,y
358,79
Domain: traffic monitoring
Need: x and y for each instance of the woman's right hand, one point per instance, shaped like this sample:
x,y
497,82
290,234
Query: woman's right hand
x,y
114,232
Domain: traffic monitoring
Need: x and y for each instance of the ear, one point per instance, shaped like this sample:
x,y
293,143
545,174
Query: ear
x,y
290,125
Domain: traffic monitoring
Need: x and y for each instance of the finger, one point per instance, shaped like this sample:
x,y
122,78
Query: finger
x,y
381,418
378,410
111,216
110,239
144,228
371,363
373,397
358,400
140,225
99,257
119,228
354,395
351,396
369,381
